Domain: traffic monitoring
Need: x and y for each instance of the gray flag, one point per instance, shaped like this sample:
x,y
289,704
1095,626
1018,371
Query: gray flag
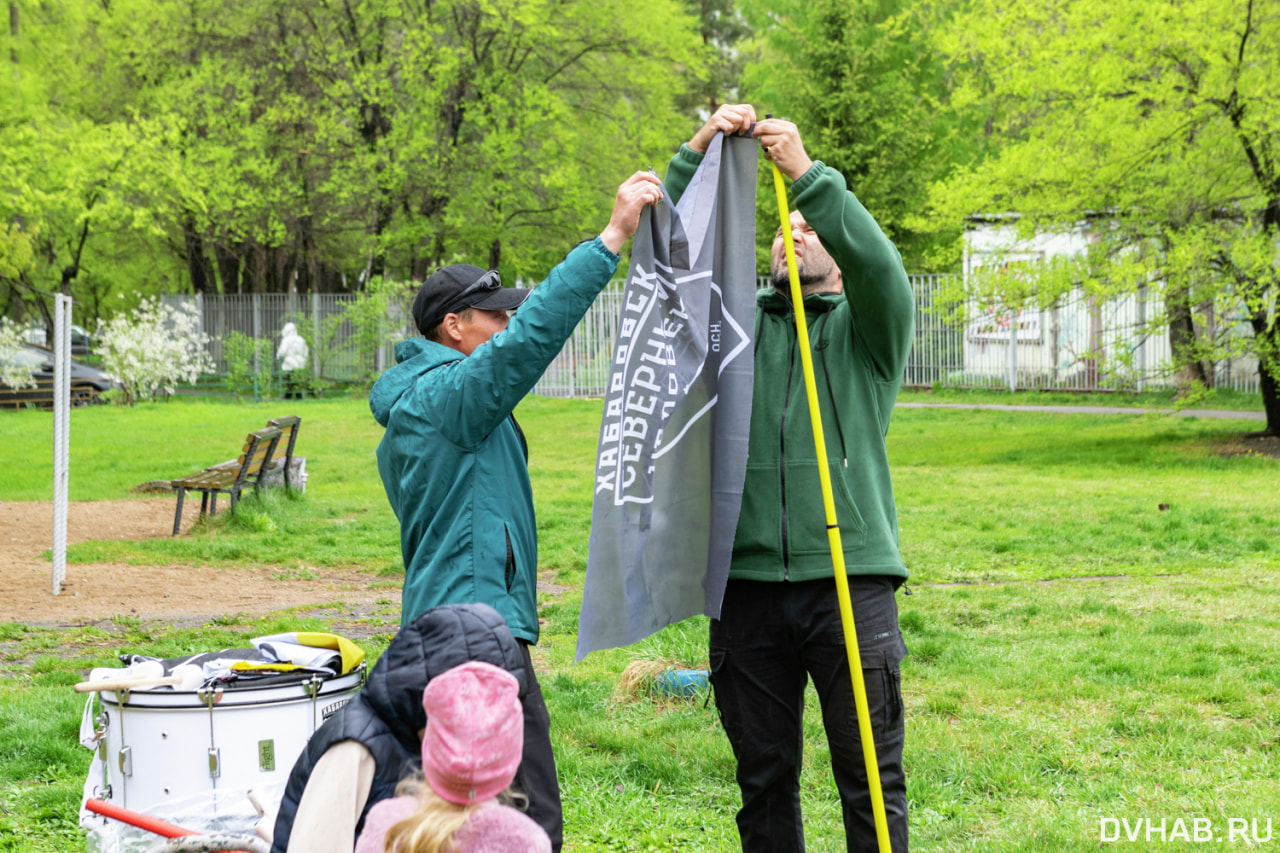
x,y
673,438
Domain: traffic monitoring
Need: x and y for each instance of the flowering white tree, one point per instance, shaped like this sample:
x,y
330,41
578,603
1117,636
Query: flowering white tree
x,y
15,371
153,348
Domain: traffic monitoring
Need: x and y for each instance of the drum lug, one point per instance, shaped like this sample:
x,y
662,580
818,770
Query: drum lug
x,y
126,760
215,762
100,734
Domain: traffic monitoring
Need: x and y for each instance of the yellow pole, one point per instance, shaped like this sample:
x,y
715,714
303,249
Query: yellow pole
x,y
833,528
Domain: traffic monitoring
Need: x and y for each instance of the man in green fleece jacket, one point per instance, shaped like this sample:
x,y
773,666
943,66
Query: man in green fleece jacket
x,y
454,462
780,622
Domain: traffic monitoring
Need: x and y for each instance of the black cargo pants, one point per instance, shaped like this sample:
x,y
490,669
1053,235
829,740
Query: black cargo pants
x,y
536,775
772,637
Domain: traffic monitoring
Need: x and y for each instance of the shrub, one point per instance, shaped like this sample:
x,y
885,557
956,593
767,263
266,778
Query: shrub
x,y
153,348
249,364
13,372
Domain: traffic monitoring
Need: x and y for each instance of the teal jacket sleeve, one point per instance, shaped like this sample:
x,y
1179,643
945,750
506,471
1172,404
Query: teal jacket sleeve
x,y
875,281
470,397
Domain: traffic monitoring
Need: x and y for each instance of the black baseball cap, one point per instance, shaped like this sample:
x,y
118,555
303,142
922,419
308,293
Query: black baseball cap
x,y
459,286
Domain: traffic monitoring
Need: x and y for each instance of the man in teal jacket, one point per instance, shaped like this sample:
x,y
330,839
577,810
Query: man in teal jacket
x,y
780,621
454,461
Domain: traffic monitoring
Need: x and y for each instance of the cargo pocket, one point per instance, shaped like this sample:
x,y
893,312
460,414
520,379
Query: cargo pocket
x,y
890,663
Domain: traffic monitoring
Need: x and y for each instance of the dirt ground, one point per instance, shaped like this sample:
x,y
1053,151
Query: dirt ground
x,y
176,594
1252,445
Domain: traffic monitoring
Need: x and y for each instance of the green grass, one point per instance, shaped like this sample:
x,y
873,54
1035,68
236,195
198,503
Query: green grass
x,y
1076,652
1164,398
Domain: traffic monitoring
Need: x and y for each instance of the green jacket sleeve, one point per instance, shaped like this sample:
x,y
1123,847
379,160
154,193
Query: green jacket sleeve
x,y
875,282
680,171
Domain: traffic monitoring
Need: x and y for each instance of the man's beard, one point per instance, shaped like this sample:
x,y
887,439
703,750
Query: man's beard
x,y
781,279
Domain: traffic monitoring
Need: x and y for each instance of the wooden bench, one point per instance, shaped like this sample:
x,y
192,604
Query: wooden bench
x,y
229,477
288,426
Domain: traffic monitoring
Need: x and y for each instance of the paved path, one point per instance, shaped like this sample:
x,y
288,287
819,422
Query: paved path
x,y
1095,410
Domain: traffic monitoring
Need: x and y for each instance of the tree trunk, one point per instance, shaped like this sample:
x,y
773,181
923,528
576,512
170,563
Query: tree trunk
x,y
375,125
48,319
378,261
228,268
255,263
1096,353
198,265
430,250
1270,401
495,253
13,35
1210,365
308,277
1268,349
1182,339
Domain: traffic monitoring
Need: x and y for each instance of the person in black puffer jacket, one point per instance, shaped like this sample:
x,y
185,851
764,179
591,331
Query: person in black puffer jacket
x,y
359,755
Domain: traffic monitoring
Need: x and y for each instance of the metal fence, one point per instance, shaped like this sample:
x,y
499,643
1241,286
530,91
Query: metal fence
x,y
335,350
1078,343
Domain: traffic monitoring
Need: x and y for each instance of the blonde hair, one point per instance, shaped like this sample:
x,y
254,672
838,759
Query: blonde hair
x,y
432,827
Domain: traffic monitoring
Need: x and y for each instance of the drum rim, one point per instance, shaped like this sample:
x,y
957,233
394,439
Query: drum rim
x,y
243,697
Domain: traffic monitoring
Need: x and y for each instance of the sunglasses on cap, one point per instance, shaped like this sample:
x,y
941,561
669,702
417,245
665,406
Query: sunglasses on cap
x,y
486,283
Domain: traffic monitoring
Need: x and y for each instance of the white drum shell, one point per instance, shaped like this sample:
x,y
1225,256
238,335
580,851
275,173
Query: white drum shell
x,y
166,745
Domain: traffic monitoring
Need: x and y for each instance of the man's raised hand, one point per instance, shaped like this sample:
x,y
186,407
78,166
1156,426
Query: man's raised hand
x,y
729,119
636,191
781,142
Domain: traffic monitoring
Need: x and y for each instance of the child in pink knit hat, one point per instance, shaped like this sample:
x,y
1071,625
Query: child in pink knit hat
x,y
470,752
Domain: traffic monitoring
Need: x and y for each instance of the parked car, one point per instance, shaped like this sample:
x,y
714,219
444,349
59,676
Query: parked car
x,y
81,341
86,382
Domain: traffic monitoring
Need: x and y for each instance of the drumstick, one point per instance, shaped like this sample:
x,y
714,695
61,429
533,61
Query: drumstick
x,y
138,819
185,677
126,683
159,827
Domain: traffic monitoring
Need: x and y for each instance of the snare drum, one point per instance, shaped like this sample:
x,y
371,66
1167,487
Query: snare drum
x,y
165,745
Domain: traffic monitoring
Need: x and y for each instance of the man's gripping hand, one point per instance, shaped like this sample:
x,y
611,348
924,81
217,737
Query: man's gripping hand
x,y
729,119
781,141
636,191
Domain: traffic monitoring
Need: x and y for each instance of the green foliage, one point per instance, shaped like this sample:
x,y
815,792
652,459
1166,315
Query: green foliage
x,y
724,31
369,318
1157,124
248,146
15,250
75,181
870,99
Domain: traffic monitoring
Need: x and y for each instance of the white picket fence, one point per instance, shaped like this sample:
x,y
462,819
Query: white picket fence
x,y
1074,345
